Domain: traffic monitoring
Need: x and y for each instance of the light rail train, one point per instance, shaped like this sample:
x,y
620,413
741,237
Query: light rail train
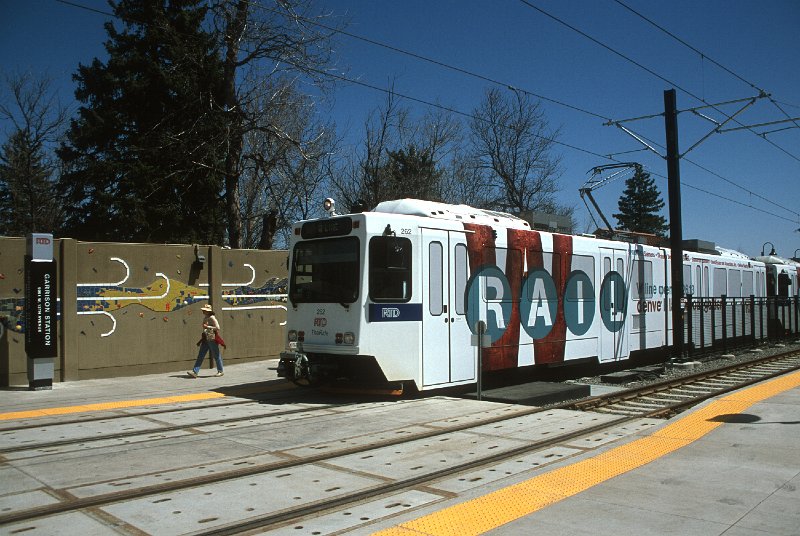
x,y
395,294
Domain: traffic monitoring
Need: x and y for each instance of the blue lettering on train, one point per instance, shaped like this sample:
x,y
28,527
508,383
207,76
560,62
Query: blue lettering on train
x,y
488,298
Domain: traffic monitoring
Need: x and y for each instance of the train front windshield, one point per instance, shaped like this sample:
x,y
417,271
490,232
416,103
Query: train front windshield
x,y
325,271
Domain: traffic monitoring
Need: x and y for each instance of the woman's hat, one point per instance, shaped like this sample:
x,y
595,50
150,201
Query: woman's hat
x,y
207,308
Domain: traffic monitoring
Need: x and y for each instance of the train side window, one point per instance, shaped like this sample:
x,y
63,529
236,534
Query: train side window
x,y
747,284
706,285
551,262
460,278
734,283
435,273
641,280
698,291
390,269
784,282
720,281
688,288
585,264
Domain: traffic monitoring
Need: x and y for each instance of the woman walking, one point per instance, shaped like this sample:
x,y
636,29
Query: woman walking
x,y
208,341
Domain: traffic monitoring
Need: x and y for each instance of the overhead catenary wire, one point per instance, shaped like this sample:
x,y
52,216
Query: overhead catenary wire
x,y
647,69
493,81
502,84
717,175
438,63
567,145
706,57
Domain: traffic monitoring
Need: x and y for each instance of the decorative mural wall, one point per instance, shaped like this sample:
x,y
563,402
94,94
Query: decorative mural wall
x,y
161,283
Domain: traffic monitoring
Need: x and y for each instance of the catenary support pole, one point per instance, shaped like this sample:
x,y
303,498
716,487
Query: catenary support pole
x,y
675,224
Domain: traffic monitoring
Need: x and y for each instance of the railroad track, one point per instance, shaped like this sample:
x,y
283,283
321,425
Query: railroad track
x,y
602,413
246,469
669,397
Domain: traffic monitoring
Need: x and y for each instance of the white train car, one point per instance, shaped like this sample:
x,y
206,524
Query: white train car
x,y
394,295
783,276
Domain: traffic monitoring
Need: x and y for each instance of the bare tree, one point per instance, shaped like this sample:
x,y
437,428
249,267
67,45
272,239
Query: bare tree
x,y
464,182
284,165
262,44
513,146
399,154
28,168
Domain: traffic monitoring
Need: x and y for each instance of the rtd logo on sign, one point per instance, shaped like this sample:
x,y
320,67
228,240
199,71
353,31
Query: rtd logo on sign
x,y
489,299
40,246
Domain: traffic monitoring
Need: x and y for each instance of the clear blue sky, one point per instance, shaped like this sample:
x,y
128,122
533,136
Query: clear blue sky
x,y
511,42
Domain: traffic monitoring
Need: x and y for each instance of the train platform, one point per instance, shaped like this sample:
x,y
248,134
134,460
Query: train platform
x,y
729,466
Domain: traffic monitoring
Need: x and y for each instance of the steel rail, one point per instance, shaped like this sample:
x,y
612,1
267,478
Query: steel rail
x,y
161,429
668,387
277,519
283,517
273,520
206,479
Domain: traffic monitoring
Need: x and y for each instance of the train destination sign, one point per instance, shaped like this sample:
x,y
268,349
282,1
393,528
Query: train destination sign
x,y
324,228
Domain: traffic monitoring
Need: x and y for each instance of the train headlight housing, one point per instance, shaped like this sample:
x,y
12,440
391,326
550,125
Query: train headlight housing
x,y
291,335
348,338
329,206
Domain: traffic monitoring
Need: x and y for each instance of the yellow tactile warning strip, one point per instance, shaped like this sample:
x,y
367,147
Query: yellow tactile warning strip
x,y
508,504
30,414
255,388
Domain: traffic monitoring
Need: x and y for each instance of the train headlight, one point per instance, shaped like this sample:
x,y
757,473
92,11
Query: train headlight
x,y
292,335
329,205
349,338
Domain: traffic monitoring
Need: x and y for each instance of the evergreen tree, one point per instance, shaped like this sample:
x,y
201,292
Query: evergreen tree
x,y
143,159
27,203
639,205
413,174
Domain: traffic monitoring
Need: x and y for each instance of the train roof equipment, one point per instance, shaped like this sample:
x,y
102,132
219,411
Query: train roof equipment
x,y
598,181
463,213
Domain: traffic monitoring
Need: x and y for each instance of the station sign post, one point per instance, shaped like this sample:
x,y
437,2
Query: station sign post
x,y
41,310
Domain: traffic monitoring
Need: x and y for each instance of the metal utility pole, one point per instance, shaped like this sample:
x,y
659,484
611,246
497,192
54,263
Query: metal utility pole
x,y
673,157
675,222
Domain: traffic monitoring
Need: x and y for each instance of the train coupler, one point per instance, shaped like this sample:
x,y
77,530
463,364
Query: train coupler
x,y
293,365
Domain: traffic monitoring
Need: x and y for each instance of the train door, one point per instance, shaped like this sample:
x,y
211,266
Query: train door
x,y
447,355
614,304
